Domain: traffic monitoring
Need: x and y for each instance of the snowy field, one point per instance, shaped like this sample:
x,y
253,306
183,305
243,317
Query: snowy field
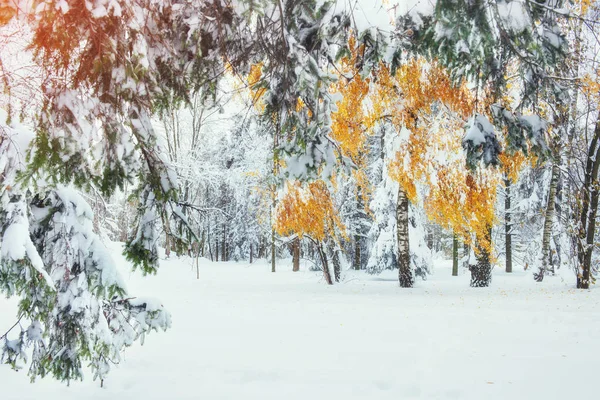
x,y
242,332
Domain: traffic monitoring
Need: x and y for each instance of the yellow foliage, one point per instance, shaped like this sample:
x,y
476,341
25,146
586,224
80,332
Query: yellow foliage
x,y
349,127
405,100
512,164
307,210
590,86
464,202
256,91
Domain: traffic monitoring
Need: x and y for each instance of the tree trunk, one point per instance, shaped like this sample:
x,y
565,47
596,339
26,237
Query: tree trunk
x,y
272,250
335,260
454,255
324,264
481,272
296,254
357,260
201,244
430,238
217,251
251,247
167,246
223,251
548,222
507,225
210,252
466,251
589,208
405,275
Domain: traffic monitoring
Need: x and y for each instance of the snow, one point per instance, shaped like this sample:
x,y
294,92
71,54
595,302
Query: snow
x,y
514,15
242,332
479,126
16,243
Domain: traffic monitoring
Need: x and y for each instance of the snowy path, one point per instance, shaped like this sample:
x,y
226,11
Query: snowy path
x,y
242,332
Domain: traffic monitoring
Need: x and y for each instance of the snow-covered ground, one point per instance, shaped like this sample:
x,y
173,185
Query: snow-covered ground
x,y
242,332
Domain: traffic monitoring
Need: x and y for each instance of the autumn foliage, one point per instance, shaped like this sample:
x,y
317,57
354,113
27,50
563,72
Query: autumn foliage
x,y
307,210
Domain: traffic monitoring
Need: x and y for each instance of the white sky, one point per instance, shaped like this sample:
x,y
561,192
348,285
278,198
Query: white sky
x,y
381,13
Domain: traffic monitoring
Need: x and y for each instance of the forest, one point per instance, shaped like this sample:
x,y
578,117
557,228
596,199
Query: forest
x,y
343,139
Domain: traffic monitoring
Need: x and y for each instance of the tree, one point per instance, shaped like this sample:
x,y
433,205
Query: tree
x,y
74,307
107,70
309,212
480,41
420,88
351,129
511,166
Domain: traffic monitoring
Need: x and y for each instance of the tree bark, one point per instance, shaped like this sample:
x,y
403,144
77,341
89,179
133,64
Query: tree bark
x,y
430,238
272,250
296,254
507,225
357,255
202,243
251,254
589,208
548,222
223,248
324,264
405,275
335,260
454,255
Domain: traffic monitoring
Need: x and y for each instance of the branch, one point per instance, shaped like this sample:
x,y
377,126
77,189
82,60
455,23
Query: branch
x,y
12,327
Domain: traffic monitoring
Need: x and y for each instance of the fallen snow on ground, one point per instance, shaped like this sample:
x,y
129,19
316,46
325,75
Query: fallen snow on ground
x,y
242,332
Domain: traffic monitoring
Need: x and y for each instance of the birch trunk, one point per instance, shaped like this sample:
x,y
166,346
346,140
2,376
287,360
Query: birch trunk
x,y
335,260
405,275
454,255
548,222
296,254
507,225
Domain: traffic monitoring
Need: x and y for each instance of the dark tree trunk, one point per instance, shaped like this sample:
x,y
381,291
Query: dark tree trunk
x,y
589,208
507,225
357,260
223,248
324,264
202,243
296,254
272,250
251,254
217,251
210,252
430,238
405,275
261,247
454,255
